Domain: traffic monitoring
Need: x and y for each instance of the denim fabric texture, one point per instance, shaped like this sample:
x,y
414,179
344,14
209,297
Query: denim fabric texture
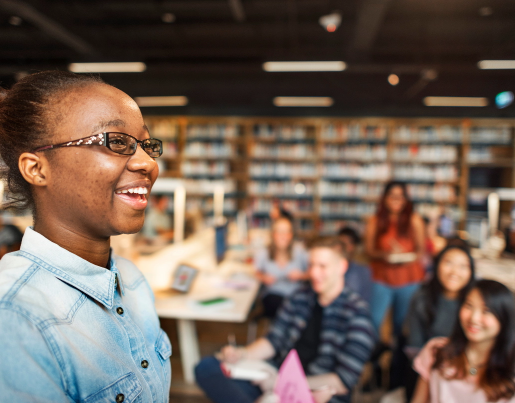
x,y
71,331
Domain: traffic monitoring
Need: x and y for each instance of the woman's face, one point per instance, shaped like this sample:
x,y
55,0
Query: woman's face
x,y
395,200
454,271
85,183
282,234
477,322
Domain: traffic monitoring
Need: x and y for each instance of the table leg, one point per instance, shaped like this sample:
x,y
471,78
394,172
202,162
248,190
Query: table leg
x,y
188,342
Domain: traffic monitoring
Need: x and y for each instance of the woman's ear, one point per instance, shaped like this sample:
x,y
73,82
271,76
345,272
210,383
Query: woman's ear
x,y
33,169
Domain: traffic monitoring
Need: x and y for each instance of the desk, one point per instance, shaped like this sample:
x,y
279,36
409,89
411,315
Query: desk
x,y
501,270
178,306
198,252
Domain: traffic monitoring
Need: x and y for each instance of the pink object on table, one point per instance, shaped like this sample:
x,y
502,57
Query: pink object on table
x,y
292,385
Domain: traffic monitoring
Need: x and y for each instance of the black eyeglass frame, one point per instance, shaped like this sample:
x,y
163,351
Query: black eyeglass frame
x,y
102,139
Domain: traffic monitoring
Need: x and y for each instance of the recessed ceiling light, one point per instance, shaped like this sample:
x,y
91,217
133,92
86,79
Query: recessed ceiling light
x,y
456,101
496,64
162,101
303,101
393,79
15,20
486,11
304,66
168,18
110,67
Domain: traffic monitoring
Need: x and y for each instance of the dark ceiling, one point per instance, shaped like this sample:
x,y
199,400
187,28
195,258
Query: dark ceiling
x,y
213,51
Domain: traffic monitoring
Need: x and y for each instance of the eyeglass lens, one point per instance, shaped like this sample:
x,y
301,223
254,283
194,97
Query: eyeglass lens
x,y
124,144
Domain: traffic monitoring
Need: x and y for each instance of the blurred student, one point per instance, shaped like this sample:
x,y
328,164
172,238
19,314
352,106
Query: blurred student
x,y
434,308
158,222
281,267
358,276
10,238
476,364
394,241
328,324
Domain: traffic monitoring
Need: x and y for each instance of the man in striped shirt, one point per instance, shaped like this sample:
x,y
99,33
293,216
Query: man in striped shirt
x,y
328,324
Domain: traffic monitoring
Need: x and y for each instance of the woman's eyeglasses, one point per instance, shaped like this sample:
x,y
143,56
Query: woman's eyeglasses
x,y
120,143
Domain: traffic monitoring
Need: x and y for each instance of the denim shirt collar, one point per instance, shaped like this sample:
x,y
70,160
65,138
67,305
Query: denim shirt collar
x,y
95,281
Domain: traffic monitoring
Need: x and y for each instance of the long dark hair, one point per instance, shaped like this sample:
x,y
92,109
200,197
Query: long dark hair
x,y
383,215
497,381
433,289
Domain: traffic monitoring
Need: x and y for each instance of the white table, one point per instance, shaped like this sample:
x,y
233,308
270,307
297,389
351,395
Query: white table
x,y
207,285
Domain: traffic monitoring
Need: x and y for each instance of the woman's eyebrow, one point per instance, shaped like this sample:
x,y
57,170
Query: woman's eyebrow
x,y
108,123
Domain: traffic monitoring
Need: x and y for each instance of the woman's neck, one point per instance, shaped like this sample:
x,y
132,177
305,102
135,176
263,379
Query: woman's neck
x,y
281,256
95,251
450,295
478,353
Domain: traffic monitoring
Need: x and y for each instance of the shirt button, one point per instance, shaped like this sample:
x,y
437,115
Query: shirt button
x,y
144,364
120,398
119,310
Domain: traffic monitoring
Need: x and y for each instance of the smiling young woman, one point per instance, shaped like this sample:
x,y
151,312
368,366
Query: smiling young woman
x,y
79,323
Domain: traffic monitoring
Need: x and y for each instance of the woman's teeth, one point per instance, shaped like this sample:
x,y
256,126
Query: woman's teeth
x,y
141,191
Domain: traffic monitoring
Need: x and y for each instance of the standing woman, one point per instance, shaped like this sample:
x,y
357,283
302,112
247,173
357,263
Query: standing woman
x,y
77,323
394,241
281,267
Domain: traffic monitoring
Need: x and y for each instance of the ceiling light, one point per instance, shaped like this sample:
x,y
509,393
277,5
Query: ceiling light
x,y
486,11
304,66
496,64
303,101
162,101
15,20
111,67
456,101
168,18
393,79
331,22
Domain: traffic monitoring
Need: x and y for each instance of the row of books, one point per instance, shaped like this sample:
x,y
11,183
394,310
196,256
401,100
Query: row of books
x,y
280,188
212,150
263,206
218,168
282,151
213,131
283,132
281,169
354,132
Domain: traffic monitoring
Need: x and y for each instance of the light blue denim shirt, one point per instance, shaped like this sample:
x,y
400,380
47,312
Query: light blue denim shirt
x,y
71,331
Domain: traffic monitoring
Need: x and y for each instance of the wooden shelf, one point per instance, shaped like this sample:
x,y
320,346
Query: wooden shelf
x,y
243,145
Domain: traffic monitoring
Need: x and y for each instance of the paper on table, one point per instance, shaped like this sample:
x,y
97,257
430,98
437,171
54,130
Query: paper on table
x,y
249,370
292,385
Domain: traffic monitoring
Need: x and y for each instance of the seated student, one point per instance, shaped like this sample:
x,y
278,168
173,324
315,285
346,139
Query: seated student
x,y
10,238
476,364
158,222
358,276
282,267
329,326
434,308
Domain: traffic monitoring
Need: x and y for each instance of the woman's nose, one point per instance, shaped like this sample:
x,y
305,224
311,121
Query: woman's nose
x,y
141,161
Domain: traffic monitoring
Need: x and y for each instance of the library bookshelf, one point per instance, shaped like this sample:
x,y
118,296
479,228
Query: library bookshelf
x,y
330,171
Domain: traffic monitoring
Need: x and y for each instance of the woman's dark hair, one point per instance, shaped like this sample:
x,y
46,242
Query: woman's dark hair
x,y
25,122
383,215
351,233
497,381
433,289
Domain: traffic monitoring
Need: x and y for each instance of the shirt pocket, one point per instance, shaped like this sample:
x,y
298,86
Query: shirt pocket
x,y
164,352
126,389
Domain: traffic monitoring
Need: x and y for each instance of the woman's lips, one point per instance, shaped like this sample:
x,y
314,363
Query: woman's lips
x,y
135,200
